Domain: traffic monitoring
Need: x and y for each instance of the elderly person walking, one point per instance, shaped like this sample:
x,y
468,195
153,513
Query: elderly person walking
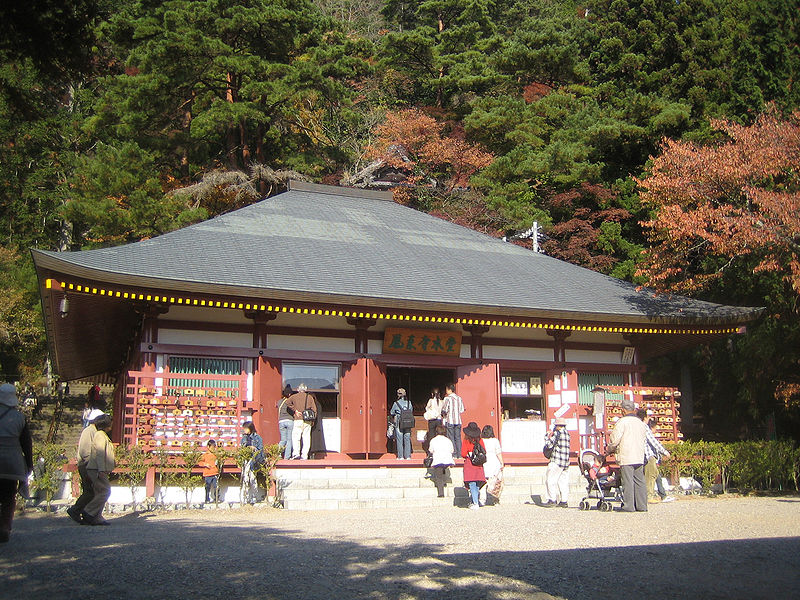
x,y
16,456
100,465
627,442
557,475
84,453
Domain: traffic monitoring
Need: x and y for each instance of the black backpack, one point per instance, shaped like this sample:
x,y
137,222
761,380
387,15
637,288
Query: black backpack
x,y
406,418
478,455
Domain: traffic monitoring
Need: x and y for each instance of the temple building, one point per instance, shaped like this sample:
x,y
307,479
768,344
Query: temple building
x,y
355,296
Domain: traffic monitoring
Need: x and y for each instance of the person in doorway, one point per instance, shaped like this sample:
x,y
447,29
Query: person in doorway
x,y
557,475
403,424
250,468
286,422
16,456
493,468
433,416
84,453
303,405
452,408
627,441
474,477
441,449
210,472
100,465
653,451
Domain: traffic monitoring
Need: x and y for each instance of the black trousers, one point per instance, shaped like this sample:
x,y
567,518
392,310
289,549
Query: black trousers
x,y
87,490
8,502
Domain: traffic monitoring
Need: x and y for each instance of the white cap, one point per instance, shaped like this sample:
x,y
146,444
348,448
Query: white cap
x,y
94,413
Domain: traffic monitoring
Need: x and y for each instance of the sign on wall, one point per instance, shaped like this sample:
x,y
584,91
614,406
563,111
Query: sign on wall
x,y
422,341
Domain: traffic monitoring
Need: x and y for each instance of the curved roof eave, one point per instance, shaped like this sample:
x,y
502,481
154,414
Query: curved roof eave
x,y
52,261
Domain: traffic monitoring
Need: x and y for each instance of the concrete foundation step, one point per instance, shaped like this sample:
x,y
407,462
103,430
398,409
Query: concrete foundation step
x,y
383,487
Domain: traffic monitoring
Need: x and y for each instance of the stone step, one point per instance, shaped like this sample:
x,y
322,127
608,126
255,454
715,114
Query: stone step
x,y
342,488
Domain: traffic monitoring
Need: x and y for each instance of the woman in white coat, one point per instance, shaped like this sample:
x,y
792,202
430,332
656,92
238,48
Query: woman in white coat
x,y
493,467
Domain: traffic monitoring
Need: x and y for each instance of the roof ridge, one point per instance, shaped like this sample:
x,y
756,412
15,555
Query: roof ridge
x,y
294,185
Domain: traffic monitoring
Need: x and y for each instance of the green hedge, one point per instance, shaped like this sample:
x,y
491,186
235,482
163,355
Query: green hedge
x,y
748,465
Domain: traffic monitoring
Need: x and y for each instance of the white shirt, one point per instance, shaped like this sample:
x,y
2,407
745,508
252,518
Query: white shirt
x,y
492,465
442,450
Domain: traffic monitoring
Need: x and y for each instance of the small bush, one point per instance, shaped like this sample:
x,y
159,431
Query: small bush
x,y
49,460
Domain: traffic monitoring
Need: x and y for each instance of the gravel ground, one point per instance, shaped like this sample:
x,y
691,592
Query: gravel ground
x,y
693,548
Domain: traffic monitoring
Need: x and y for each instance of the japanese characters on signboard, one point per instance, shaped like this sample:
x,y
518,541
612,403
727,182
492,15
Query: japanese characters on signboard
x,y
436,342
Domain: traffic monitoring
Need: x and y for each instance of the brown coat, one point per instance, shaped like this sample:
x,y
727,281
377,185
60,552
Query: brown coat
x,y
300,401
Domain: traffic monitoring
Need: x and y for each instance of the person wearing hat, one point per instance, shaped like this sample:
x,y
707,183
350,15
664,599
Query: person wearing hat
x,y
16,456
101,463
474,476
557,477
402,432
84,452
627,441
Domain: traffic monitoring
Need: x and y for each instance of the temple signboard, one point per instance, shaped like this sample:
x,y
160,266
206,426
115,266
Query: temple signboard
x,y
435,342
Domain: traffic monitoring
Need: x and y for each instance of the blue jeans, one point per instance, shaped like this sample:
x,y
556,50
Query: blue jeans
x,y
454,434
474,491
211,488
285,426
402,438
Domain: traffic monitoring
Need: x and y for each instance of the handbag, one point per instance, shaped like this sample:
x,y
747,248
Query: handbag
x,y
309,416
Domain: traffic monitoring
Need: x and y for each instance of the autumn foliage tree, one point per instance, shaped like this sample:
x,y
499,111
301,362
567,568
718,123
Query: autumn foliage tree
x,y
738,200
727,228
435,152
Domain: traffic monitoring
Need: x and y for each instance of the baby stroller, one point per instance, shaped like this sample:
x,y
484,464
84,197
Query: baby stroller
x,y
606,493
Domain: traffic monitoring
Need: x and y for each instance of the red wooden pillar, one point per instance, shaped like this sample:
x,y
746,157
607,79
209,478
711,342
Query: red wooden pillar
x,y
479,388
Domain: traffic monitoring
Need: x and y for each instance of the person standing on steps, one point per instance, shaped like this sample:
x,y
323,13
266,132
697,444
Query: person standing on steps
x,y
433,416
302,405
403,413
286,422
452,409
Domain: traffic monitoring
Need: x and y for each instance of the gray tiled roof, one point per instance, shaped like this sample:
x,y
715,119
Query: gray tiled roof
x,y
326,244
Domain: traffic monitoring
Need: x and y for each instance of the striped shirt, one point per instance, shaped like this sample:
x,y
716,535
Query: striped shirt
x,y
560,445
652,447
452,407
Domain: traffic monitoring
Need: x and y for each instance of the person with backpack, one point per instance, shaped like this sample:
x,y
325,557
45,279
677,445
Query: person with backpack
x,y
474,453
303,406
403,413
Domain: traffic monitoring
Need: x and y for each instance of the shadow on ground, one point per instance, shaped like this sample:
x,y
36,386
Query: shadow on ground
x,y
140,557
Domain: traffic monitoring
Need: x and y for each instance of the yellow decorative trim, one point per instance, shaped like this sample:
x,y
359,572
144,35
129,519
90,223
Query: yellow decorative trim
x,y
114,293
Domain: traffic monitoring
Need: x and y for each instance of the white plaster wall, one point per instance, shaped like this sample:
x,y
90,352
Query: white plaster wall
x,y
205,338
319,344
594,356
206,315
513,353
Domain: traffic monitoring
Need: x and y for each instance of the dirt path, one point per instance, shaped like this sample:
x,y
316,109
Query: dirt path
x,y
692,548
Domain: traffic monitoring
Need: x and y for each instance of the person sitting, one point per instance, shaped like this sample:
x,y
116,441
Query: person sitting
x,y
602,473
